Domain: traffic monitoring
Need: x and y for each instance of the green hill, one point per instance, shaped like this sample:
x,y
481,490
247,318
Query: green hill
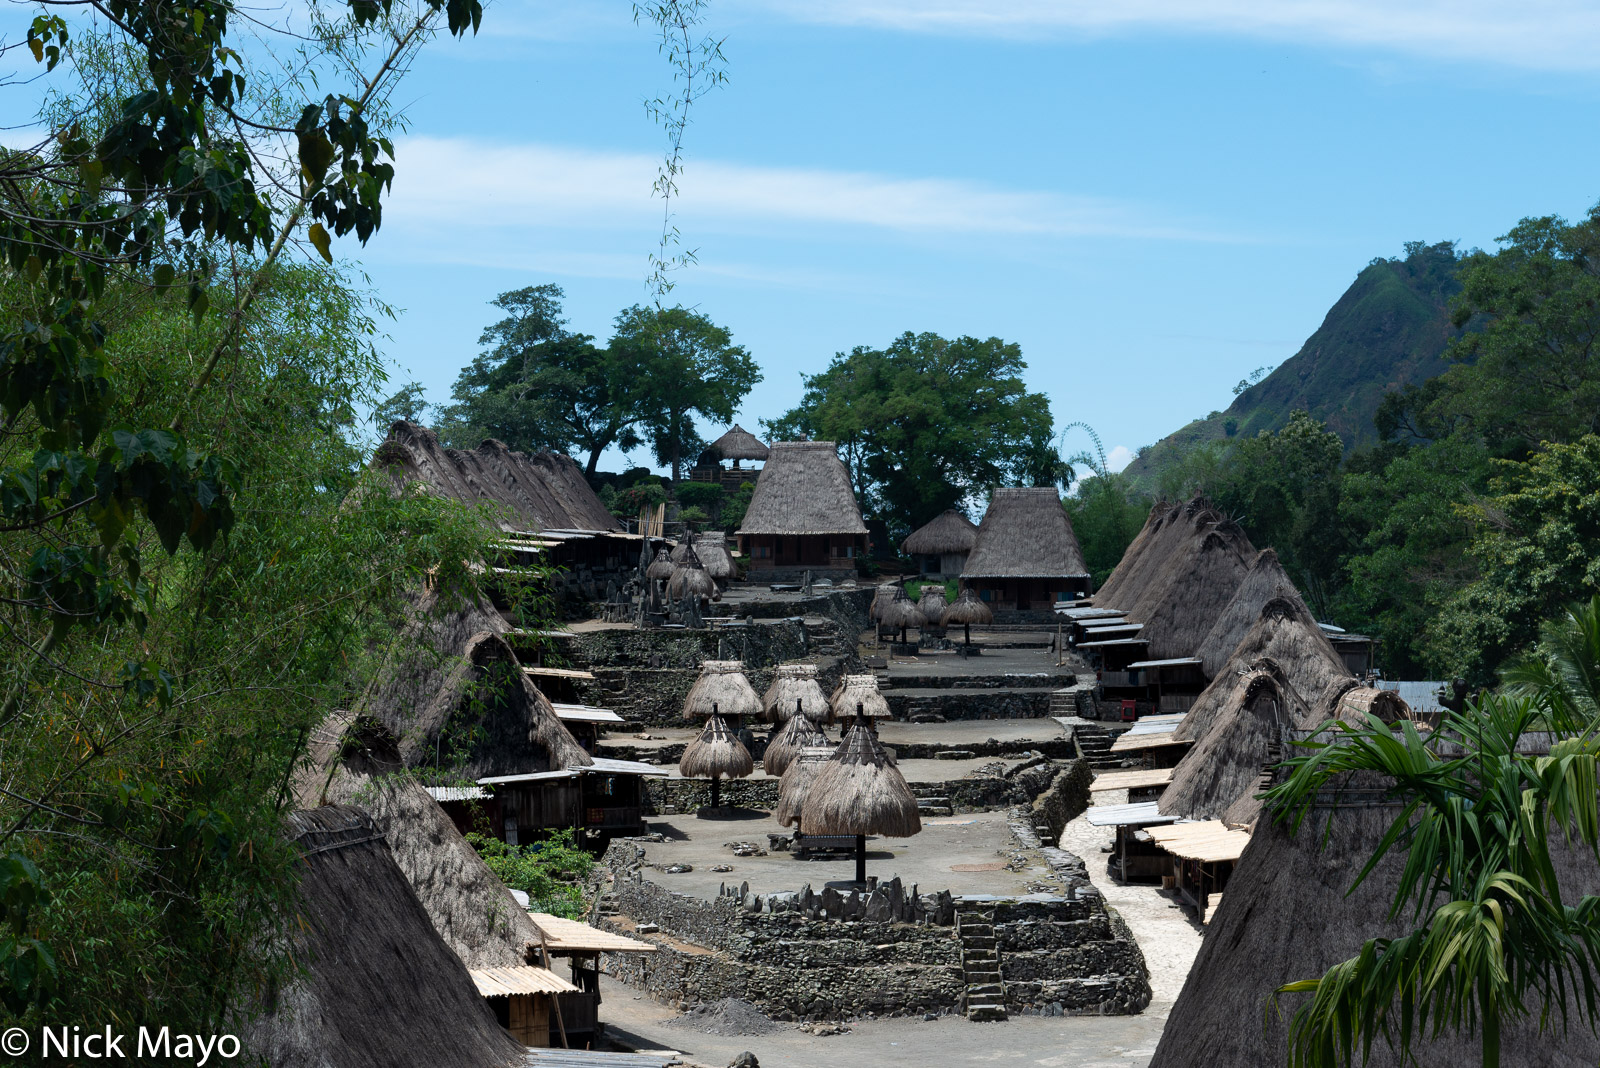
x,y
1389,329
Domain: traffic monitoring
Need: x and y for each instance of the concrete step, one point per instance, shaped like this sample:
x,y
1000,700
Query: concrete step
x,y
935,810
984,991
987,1013
977,941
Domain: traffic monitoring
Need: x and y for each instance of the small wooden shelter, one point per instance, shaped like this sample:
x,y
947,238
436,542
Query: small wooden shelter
x,y
859,792
733,446
940,546
1026,557
803,516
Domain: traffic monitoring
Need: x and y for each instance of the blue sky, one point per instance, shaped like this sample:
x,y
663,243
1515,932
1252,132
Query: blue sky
x,y
1153,197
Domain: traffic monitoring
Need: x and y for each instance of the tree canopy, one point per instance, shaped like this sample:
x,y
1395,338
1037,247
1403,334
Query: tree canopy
x,y
927,423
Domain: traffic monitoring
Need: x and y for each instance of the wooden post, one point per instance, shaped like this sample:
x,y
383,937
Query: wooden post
x,y
861,859
716,791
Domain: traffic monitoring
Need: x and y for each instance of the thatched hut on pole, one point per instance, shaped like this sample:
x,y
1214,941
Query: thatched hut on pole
x,y
691,580
1026,556
901,614
932,604
797,733
722,689
381,988
1289,914
796,782
803,516
940,546
967,610
795,689
716,754
858,695
1285,633
859,792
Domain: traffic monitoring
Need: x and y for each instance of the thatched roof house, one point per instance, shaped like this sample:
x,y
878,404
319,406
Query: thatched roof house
x,y
1287,915
1118,582
1286,634
1217,778
739,444
1179,606
1265,580
940,546
803,515
454,687
1026,556
382,989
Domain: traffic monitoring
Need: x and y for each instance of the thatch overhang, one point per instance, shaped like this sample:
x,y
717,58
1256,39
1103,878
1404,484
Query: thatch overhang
x,y
968,608
721,689
542,491
1201,578
797,733
803,489
1223,768
1289,914
859,791
1265,580
739,444
381,989
932,605
453,673
949,532
1025,534
1174,528
1285,633
715,753
795,689
859,695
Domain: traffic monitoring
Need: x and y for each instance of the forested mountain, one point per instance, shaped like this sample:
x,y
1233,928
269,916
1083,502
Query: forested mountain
x,y
1387,331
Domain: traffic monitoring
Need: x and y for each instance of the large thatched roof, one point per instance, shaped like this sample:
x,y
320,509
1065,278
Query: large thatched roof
x,y
544,491
1117,582
1201,576
1150,559
1285,917
1025,533
1285,633
715,753
803,489
1265,580
1222,770
860,791
452,674
382,990
739,444
948,532
722,688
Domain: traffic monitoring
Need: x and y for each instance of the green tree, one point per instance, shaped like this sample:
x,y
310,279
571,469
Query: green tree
x,y
927,423
538,386
685,366
409,402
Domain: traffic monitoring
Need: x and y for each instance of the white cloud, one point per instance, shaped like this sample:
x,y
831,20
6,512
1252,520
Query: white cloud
x,y
1119,457
1538,34
456,181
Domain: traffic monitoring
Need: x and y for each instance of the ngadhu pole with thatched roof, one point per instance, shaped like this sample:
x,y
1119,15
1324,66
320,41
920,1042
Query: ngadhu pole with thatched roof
x,y
721,689
690,579
967,610
712,554
932,604
717,753
795,688
797,733
859,792
901,614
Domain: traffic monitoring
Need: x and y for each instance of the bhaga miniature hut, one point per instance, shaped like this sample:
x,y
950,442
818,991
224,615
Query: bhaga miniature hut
x,y
858,695
795,689
716,754
796,734
1026,556
796,782
803,516
722,689
941,545
859,792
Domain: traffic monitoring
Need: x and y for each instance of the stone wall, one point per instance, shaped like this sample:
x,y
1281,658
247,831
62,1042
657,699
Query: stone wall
x,y
1030,703
1066,798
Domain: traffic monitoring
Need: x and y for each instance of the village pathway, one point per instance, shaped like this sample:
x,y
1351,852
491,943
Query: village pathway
x,y
1165,931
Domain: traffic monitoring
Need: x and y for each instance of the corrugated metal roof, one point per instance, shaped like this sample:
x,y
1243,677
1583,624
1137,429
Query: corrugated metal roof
x,y
570,936
1113,641
589,1058
524,979
585,714
1208,841
1423,697
607,765
458,793
1141,814
1177,661
1089,613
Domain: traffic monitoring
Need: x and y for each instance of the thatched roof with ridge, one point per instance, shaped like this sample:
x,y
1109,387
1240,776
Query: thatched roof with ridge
x,y
860,791
1224,767
948,532
1288,915
715,753
803,489
381,989
1285,633
1265,580
452,673
1200,579
739,444
1172,531
1025,533
797,733
542,491
1116,583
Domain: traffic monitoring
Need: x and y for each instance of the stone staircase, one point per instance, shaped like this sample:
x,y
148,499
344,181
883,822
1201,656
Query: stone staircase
x,y
1094,743
823,639
980,963
934,806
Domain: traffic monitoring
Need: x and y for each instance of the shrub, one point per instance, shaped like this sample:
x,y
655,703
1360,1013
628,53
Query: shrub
x,y
704,495
550,872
